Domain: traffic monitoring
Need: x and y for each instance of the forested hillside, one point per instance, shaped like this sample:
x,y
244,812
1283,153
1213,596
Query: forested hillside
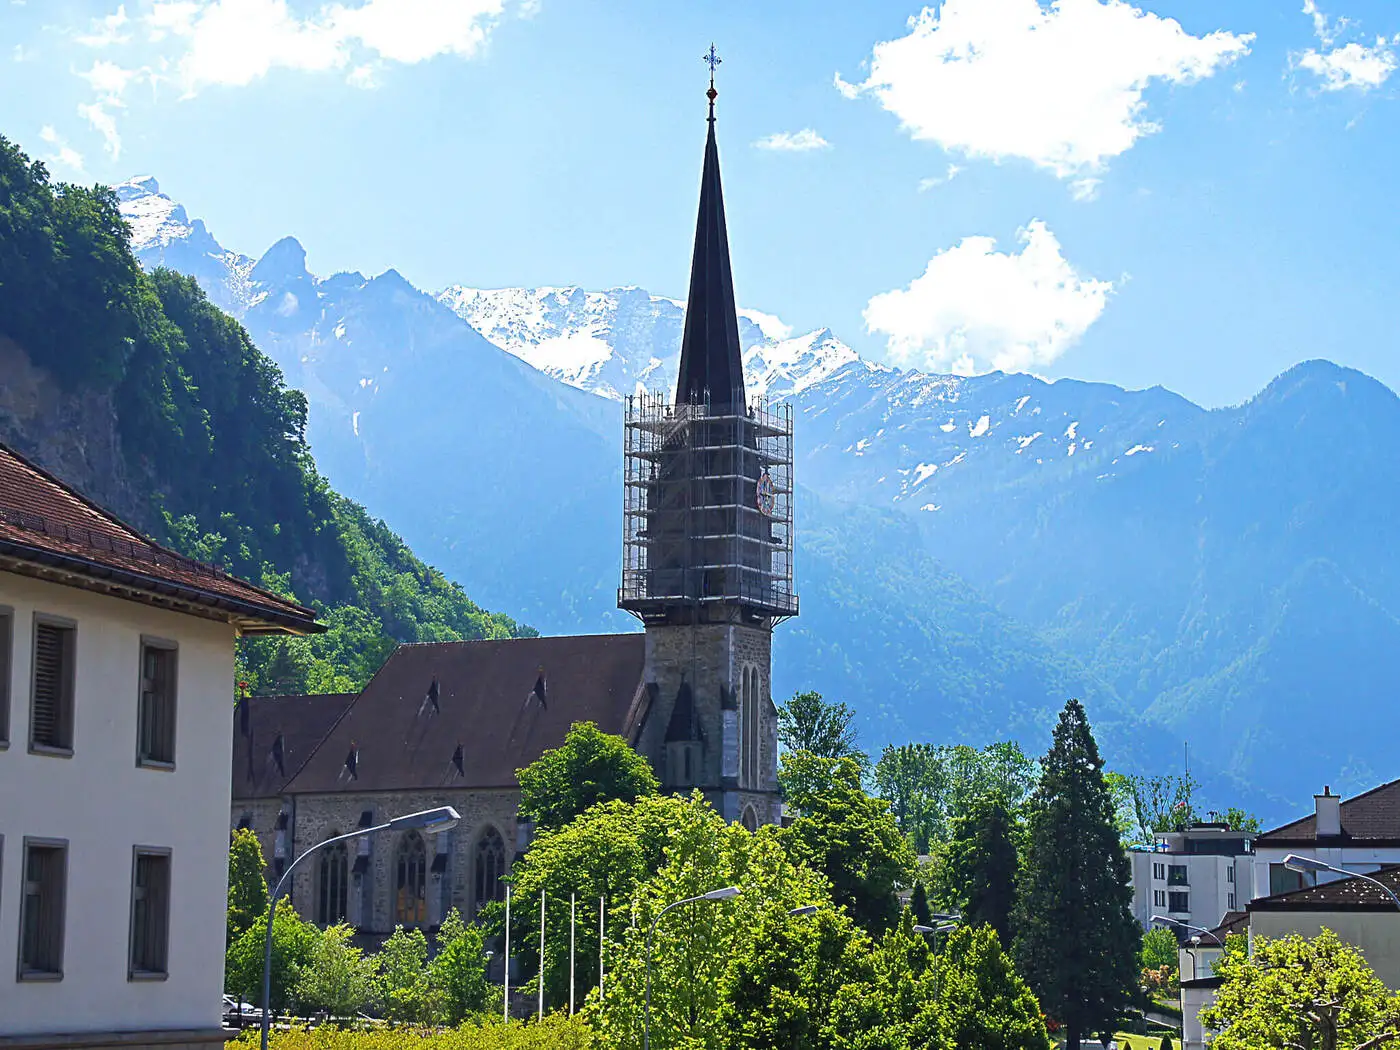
x,y
134,388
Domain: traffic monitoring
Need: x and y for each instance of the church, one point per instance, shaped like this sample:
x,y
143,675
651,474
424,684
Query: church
x,y
706,569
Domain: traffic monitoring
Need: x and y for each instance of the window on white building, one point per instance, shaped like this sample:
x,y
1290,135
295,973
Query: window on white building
x,y
1176,875
156,717
1159,870
1230,901
1178,902
150,914
41,910
7,621
1229,874
1159,898
51,693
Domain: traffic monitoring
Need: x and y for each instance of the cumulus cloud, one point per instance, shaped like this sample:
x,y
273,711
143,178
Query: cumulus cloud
x,y
62,154
793,141
975,309
934,180
1353,65
1060,86
108,30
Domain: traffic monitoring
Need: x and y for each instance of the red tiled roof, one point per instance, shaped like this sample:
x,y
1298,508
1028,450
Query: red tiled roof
x,y
485,705
1343,894
1373,816
48,529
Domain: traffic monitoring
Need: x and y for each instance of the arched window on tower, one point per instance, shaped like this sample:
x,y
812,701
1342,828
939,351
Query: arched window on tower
x,y
332,878
752,724
410,881
750,818
490,868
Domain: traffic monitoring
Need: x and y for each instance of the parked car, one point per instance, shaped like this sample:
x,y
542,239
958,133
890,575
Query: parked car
x,y
237,1014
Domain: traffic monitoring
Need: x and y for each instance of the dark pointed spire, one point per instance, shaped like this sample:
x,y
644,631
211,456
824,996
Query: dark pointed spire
x,y
712,367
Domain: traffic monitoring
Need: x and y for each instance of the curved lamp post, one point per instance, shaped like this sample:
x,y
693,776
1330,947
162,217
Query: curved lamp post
x,y
714,895
1297,862
429,820
1169,921
946,922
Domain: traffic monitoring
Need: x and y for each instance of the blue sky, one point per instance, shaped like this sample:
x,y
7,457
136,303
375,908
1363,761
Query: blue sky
x,y
1168,192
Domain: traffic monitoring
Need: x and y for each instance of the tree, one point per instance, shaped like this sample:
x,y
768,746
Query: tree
x,y
918,904
401,985
980,873
1159,948
848,837
827,730
1296,991
1162,803
588,768
984,1002
337,978
1076,940
247,887
457,974
912,779
293,944
1237,819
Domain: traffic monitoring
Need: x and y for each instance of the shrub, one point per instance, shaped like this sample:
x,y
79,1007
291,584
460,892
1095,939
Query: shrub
x,y
555,1032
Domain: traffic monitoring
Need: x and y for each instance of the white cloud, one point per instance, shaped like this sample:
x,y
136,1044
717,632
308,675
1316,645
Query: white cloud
x,y
975,308
107,31
1353,65
1085,189
933,180
109,79
63,154
1061,86
793,141
100,117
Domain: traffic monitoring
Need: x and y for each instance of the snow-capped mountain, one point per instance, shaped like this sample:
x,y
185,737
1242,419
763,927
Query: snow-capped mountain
x,y
624,340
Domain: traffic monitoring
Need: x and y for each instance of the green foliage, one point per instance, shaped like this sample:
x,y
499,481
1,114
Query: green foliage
x,y
588,768
1162,803
1159,948
293,944
1076,940
827,730
247,886
338,978
1298,991
979,875
918,904
210,430
983,1000
555,1032
1238,820
457,974
891,1003
401,986
848,837
929,786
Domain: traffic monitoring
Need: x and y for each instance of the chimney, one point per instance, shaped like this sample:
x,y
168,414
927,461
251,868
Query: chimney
x,y
1329,812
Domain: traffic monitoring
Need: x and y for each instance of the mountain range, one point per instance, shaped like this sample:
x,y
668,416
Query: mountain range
x,y
971,550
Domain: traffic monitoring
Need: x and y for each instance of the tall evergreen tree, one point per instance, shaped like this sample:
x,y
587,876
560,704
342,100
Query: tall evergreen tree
x,y
247,886
1076,941
981,867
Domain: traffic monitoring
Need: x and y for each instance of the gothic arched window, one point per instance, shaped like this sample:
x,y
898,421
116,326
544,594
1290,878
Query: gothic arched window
x,y
750,736
750,818
490,868
410,881
332,873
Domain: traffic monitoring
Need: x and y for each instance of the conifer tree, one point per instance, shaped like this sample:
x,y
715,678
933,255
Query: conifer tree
x,y
981,869
1076,940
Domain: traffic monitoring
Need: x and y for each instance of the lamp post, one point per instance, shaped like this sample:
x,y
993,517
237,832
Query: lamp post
x,y
1297,862
806,909
1168,920
946,921
714,895
430,820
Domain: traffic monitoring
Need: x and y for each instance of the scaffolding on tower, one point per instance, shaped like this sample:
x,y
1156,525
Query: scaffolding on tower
x,y
708,510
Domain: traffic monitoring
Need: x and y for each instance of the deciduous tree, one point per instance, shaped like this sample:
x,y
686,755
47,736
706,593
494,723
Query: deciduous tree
x,y
588,768
293,942
247,886
825,729
457,975
401,987
1076,940
337,978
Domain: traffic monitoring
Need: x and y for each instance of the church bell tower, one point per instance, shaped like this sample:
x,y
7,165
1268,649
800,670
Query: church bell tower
x,y
708,542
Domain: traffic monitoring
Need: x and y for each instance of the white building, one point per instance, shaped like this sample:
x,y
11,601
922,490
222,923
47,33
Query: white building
x,y
1361,834
116,705
1196,876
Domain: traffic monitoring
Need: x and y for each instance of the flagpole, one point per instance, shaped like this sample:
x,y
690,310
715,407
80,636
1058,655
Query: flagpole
x,y
600,949
505,1009
541,1016
573,917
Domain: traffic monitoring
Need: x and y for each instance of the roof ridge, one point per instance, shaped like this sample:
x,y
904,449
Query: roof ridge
x,y
1341,805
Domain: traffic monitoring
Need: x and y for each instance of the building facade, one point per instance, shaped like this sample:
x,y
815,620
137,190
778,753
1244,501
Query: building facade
x,y
707,569
1195,876
1361,834
116,680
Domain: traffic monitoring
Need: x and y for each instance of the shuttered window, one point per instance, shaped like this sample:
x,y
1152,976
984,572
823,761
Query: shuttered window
x,y
150,914
7,636
41,910
156,718
51,705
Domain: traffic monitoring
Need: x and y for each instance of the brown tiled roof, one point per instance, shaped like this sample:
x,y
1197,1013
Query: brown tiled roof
x,y
1342,895
431,699
261,765
1373,816
49,530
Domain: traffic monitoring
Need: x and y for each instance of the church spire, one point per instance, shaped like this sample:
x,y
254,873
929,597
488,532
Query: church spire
x,y
712,367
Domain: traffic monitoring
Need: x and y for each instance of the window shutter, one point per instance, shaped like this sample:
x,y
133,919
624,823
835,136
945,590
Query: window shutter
x,y
49,671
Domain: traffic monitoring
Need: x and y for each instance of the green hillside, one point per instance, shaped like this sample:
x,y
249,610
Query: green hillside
x,y
211,441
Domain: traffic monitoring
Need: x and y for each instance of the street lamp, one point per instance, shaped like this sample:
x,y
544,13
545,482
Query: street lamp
x,y
430,820
714,895
946,922
1297,862
1187,926
806,909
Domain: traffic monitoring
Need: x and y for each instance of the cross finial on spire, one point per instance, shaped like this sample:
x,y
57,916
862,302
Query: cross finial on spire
x,y
711,59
